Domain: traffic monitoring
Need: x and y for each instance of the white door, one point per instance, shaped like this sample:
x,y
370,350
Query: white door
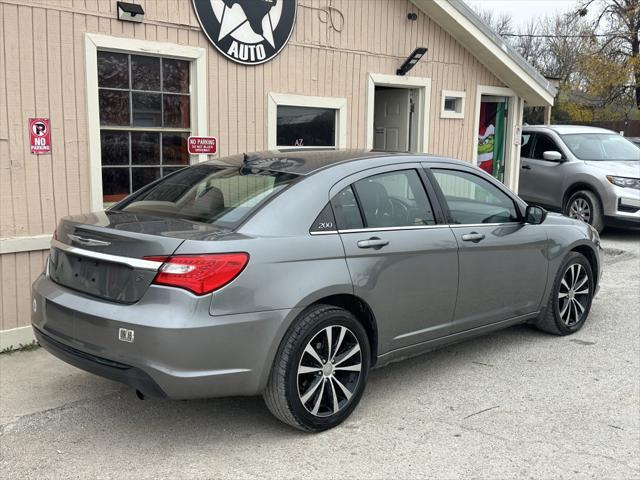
x,y
391,120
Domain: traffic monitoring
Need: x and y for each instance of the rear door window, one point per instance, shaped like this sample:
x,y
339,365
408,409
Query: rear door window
x,y
223,196
394,199
525,144
346,209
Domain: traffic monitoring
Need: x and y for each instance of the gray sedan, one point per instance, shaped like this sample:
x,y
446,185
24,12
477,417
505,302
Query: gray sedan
x,y
292,274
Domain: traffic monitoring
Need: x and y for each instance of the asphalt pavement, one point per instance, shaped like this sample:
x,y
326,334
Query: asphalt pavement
x,y
514,404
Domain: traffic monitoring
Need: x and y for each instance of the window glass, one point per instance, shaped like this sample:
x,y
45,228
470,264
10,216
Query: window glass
x,y
473,200
394,199
306,127
222,196
345,207
601,146
325,221
543,144
136,94
525,144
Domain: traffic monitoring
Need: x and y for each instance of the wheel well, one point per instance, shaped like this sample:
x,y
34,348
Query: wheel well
x,y
591,257
575,188
362,311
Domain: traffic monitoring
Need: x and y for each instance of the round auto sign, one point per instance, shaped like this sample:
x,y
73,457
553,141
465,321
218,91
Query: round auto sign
x,y
250,32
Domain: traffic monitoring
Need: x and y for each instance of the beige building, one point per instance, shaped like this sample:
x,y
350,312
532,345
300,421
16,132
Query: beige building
x,y
123,96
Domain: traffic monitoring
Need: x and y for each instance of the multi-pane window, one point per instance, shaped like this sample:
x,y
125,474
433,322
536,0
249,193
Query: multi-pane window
x,y
145,120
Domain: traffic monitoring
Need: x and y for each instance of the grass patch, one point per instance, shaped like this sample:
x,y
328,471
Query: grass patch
x,y
22,347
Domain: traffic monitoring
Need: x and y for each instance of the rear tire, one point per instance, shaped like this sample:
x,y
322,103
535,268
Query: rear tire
x,y
320,370
585,206
570,299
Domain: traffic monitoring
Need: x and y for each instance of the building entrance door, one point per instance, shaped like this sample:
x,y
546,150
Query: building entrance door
x,y
395,119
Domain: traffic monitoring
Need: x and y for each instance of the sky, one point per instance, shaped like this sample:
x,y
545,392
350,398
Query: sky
x,y
522,11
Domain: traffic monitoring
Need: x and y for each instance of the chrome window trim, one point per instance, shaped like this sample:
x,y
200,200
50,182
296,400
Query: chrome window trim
x,y
416,227
138,263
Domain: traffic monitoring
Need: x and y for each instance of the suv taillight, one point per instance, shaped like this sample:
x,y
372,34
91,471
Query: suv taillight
x,y
200,274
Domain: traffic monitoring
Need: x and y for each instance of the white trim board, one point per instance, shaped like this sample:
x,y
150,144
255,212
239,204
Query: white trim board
x,y
198,93
423,85
25,244
455,94
276,99
14,337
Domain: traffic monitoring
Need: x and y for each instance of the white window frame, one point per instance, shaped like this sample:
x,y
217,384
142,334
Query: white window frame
x,y
422,84
285,99
197,90
460,97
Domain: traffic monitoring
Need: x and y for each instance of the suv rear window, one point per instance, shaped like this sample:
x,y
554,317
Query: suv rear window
x,y
223,196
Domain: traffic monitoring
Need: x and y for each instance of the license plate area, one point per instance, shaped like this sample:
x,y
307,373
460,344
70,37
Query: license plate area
x,y
109,280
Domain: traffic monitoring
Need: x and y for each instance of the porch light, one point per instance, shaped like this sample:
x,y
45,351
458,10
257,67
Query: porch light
x,y
411,60
130,12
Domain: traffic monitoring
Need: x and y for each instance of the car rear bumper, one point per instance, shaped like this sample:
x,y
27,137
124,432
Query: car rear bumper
x,y
175,352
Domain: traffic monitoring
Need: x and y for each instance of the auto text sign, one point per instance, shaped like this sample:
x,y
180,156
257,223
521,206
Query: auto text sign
x,y
39,136
203,145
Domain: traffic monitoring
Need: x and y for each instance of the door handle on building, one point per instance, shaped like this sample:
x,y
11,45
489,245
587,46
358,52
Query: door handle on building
x,y
472,237
373,242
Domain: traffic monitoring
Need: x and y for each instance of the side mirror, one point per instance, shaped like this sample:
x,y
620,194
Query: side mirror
x,y
535,215
552,156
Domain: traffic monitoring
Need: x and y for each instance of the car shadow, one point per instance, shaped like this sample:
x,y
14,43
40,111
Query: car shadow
x,y
192,422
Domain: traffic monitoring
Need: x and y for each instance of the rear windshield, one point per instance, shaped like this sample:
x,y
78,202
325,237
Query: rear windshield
x,y
601,146
223,196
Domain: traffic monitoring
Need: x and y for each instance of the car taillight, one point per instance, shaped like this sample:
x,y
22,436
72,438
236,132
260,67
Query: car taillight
x,y
199,274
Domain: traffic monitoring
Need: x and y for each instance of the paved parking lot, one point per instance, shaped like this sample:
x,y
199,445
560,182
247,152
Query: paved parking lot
x,y
518,403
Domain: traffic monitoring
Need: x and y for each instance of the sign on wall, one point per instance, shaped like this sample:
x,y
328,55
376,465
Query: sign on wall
x,y
250,32
39,136
202,145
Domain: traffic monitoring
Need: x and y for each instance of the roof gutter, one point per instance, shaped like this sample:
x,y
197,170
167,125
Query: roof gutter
x,y
466,26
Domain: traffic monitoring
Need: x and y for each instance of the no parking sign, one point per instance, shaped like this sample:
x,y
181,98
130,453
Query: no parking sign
x,y
39,136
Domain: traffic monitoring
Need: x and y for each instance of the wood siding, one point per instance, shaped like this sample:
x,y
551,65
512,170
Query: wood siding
x,y
42,74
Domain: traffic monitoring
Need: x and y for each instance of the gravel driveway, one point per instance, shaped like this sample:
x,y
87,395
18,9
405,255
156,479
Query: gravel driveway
x,y
518,403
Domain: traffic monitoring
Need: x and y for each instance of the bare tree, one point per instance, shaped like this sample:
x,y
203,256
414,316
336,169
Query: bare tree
x,y
621,19
502,24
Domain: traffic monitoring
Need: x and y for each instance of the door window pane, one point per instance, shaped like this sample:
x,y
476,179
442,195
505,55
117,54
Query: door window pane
x,y
473,200
394,199
175,75
525,144
113,70
147,109
145,73
114,148
114,107
347,212
145,148
306,127
544,144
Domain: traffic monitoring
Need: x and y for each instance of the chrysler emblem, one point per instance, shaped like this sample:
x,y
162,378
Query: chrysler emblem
x,y
88,242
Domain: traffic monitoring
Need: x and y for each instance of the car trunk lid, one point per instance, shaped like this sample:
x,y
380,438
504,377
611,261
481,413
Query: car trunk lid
x,y
103,254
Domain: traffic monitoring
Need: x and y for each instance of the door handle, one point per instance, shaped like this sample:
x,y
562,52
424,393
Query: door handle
x,y
526,167
373,242
472,237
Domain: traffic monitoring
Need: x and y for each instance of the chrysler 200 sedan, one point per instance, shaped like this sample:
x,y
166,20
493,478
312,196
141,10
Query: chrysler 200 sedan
x,y
292,274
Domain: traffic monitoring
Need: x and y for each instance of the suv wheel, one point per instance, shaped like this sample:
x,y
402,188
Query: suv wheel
x,y
320,370
585,206
570,300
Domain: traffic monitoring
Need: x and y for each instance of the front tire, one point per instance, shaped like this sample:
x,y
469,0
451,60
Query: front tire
x,y
585,206
320,370
570,300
